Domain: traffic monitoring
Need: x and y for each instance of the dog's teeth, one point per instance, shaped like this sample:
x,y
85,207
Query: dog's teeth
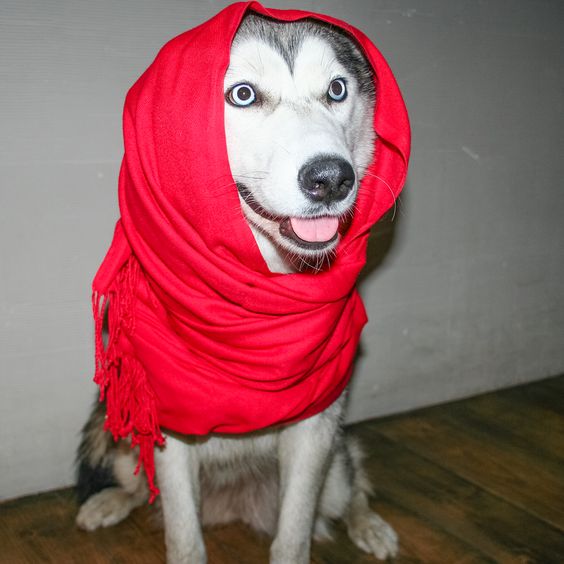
x,y
315,230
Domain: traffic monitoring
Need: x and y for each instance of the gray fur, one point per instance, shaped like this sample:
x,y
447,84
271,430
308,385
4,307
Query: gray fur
x,y
287,38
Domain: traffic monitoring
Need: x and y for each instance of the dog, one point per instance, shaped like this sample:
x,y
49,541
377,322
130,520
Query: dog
x,y
299,100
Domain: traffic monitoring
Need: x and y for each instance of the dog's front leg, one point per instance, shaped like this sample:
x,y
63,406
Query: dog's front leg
x,y
177,468
304,451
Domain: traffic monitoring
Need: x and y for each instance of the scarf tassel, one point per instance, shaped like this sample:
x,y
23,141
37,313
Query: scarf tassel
x,y
130,402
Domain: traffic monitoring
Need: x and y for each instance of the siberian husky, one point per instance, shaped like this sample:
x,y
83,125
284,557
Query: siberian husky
x,y
293,481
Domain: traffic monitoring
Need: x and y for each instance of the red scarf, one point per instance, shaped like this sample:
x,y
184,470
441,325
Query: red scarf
x,y
203,338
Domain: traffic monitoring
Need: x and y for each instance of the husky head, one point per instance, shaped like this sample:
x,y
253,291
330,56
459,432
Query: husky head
x,y
299,103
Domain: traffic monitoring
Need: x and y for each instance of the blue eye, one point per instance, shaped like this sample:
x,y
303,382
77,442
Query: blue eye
x,y
337,91
242,95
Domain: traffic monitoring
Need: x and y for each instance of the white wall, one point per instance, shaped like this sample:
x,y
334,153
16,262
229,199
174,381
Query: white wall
x,y
468,297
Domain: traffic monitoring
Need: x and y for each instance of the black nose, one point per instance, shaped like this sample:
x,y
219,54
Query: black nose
x,y
326,179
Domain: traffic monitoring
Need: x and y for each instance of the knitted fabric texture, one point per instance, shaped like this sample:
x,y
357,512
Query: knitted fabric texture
x,y
203,338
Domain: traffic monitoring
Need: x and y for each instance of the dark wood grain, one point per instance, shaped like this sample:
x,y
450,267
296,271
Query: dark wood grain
x,y
449,502
476,481
498,461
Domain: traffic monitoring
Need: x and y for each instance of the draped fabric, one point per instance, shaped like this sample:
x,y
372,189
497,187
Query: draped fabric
x,y
203,338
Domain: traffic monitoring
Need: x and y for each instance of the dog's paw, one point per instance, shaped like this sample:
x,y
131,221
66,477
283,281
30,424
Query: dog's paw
x,y
106,508
373,535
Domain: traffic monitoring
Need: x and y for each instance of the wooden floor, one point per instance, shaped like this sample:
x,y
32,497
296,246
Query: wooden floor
x,y
480,480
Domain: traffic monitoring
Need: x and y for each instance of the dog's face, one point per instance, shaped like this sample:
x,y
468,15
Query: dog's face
x,y
299,102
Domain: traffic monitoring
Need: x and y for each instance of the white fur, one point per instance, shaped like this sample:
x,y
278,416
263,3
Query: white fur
x,y
270,142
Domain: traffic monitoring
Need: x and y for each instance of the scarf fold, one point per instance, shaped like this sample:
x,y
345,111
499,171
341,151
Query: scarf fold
x,y
203,338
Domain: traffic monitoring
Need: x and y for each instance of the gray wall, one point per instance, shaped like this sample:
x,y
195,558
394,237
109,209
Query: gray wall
x,y
464,287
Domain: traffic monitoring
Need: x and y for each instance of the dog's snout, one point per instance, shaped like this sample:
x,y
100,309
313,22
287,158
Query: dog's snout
x,y
326,179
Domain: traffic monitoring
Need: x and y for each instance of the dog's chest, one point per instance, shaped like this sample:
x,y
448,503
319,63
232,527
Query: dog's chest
x,y
224,450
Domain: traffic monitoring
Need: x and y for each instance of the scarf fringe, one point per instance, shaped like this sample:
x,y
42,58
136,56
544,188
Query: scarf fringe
x,y
130,402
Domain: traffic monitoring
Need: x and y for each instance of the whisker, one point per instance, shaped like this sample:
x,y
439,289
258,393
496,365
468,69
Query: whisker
x,y
391,192
282,147
236,174
304,262
251,177
223,189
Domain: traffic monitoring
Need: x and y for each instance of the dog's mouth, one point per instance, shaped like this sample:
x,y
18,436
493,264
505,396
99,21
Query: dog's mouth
x,y
308,233
312,233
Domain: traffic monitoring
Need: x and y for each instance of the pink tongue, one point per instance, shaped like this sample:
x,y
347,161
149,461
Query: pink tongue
x,y
315,230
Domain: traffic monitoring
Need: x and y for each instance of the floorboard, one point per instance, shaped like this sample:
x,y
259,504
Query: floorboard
x,y
475,481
